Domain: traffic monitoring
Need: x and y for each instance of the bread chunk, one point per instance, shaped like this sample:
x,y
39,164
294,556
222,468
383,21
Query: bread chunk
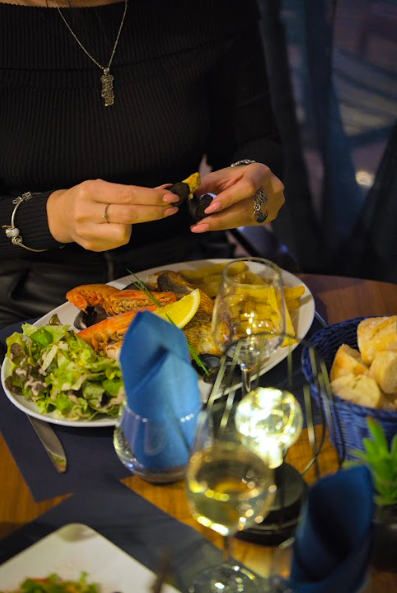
x,y
376,335
389,402
347,360
360,389
384,371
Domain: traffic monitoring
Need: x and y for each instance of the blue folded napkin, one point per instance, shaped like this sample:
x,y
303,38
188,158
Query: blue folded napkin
x,y
162,393
334,537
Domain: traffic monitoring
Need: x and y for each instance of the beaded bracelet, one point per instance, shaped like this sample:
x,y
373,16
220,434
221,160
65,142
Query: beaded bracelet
x,y
11,231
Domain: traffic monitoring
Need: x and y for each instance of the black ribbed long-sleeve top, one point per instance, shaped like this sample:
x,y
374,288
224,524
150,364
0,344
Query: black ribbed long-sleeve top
x,y
189,80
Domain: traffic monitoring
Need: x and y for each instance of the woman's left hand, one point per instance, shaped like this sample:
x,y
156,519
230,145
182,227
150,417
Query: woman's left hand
x,y
235,188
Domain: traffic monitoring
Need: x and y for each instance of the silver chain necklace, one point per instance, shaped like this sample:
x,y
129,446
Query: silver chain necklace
x,y
106,79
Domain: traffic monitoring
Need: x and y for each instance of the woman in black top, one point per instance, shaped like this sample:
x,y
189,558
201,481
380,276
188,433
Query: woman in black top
x,y
96,154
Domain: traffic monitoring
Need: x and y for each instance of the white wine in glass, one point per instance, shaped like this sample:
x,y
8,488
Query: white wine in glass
x,y
250,301
229,488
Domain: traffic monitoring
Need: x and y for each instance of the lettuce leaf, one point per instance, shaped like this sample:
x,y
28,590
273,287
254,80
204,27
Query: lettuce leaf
x,y
61,373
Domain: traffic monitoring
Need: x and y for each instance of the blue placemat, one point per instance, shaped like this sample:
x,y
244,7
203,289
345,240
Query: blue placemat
x,y
90,453
131,523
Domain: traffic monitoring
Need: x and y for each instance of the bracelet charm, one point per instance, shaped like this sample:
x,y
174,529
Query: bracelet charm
x,y
13,232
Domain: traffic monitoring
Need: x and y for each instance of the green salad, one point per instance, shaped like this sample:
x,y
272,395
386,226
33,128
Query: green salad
x,y
54,584
58,371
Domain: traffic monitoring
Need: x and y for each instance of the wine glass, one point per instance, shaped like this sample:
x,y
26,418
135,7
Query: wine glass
x,y
250,301
229,488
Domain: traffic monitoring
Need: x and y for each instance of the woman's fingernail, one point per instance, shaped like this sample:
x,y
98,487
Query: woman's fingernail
x,y
200,228
170,211
213,207
168,198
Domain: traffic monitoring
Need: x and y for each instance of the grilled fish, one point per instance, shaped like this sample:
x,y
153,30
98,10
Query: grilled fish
x,y
164,279
198,331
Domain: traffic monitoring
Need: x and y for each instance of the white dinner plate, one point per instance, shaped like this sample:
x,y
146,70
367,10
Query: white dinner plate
x,y
302,319
73,549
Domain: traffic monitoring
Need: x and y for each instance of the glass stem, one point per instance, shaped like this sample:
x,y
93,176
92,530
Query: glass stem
x,y
227,548
246,375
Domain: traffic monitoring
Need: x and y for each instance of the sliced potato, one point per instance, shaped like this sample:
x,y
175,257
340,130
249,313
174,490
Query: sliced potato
x,y
292,303
264,301
293,292
201,273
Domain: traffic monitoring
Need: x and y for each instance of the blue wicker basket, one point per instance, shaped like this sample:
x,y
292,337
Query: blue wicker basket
x,y
349,420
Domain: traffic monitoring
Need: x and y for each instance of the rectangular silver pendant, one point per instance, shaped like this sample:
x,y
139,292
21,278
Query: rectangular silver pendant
x,y
107,88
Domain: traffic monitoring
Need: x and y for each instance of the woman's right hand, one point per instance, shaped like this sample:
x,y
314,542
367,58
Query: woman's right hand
x,y
99,215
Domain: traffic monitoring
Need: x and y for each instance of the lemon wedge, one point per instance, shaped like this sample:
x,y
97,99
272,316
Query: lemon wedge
x,y
182,311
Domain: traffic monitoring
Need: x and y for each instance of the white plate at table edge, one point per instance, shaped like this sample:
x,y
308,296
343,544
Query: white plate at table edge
x,y
73,549
67,314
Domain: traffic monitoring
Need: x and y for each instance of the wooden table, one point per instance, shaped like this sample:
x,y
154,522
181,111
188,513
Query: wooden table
x,y
337,299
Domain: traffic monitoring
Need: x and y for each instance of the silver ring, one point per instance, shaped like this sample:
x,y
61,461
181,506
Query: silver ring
x,y
260,200
105,214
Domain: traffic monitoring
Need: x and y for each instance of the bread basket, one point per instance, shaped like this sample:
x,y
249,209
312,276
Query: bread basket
x,y
349,420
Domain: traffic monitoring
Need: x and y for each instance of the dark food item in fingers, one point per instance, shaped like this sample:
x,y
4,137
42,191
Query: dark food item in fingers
x,y
198,204
185,190
182,190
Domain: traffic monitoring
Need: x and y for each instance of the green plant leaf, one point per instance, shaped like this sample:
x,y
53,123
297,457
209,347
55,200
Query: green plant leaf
x,y
393,449
379,435
384,469
142,286
372,451
382,462
357,453
348,463
382,485
383,500
393,493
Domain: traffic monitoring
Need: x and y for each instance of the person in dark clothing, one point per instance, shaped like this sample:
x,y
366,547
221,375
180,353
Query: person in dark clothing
x,y
103,105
